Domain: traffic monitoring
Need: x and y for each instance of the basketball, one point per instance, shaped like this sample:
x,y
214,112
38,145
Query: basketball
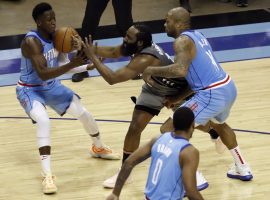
x,y
62,39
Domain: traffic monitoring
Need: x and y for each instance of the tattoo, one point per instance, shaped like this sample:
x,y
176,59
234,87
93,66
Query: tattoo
x,y
184,54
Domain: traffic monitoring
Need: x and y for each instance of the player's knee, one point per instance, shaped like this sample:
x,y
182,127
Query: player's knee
x,y
43,120
76,109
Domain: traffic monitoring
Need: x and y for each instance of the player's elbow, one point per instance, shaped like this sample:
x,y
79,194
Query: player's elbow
x,y
111,82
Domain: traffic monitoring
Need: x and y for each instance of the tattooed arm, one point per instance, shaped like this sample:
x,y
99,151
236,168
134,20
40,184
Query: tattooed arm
x,y
135,158
185,51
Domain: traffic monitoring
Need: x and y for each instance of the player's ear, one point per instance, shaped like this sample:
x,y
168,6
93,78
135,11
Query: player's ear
x,y
140,43
38,22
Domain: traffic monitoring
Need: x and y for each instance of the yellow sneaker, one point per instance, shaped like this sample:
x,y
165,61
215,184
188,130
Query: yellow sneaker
x,y
48,184
103,152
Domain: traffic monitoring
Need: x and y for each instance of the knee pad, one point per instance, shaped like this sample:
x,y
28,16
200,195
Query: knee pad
x,y
76,109
39,114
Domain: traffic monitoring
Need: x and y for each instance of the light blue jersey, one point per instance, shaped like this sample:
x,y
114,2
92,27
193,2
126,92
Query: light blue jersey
x,y
165,175
204,69
215,91
28,73
32,88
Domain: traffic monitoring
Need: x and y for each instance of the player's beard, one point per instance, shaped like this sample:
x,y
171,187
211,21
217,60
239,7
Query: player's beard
x,y
128,49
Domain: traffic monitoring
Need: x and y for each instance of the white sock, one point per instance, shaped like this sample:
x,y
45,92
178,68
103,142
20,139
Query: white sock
x,y
46,163
97,141
238,158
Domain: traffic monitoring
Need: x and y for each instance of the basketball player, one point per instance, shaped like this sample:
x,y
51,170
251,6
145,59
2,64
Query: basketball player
x,y
138,42
38,88
215,90
171,156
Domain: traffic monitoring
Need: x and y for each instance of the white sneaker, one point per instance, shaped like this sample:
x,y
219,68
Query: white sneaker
x,y
110,182
242,172
48,184
219,145
201,181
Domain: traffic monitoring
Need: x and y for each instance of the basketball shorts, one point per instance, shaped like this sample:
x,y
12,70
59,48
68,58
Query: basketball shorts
x,y
212,104
54,95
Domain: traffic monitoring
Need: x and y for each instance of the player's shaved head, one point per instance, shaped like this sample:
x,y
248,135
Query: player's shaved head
x,y
180,15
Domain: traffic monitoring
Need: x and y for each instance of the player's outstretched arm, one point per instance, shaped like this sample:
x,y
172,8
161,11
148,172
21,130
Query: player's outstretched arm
x,y
185,51
136,66
189,160
135,158
32,49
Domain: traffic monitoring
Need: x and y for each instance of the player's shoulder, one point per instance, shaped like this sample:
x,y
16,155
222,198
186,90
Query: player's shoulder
x,y
183,42
31,41
190,149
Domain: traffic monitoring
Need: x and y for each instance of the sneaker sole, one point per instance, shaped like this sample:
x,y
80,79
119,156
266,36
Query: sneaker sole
x,y
200,187
107,157
50,191
203,186
108,186
242,178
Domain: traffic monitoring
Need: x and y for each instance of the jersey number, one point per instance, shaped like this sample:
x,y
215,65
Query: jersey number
x,y
157,171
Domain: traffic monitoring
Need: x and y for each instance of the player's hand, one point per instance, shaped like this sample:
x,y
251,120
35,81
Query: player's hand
x,y
147,77
112,197
89,48
76,42
79,59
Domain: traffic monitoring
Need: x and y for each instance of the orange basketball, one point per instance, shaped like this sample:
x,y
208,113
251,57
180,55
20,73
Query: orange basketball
x,y
62,39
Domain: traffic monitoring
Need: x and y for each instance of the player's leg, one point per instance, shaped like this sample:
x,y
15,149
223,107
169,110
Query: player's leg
x,y
123,15
167,126
39,114
32,103
139,121
63,100
147,106
240,170
219,145
98,149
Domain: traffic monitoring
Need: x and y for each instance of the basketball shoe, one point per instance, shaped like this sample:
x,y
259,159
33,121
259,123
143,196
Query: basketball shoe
x,y
48,183
110,182
242,172
103,152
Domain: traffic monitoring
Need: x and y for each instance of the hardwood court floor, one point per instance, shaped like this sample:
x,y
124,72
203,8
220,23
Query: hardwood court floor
x,y
79,177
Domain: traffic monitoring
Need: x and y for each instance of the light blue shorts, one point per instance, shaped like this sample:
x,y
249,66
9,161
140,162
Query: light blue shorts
x,y
55,95
212,104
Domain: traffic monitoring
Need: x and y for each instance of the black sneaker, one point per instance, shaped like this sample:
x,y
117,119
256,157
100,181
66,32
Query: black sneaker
x,y
79,76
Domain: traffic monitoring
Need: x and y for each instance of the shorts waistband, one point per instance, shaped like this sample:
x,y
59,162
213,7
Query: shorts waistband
x,y
218,84
33,85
